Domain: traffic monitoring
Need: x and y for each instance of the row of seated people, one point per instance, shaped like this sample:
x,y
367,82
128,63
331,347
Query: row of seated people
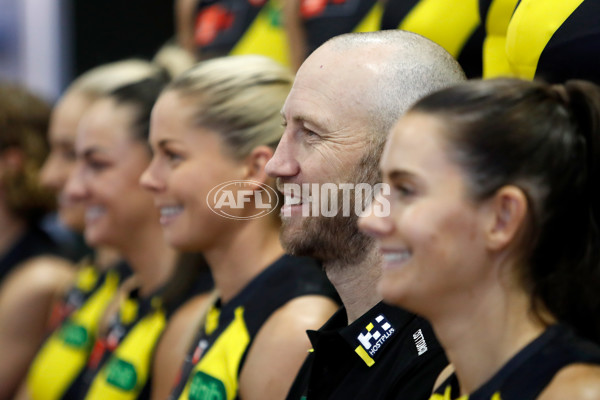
x,y
128,315
158,332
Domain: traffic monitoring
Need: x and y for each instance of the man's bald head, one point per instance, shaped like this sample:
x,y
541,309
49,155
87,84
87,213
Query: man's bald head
x,y
408,67
346,97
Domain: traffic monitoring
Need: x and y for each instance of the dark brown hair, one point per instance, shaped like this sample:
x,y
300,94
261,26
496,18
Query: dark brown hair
x,y
545,139
23,126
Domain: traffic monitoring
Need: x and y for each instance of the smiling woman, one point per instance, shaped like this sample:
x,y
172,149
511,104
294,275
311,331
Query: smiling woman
x,y
493,235
218,123
112,152
45,286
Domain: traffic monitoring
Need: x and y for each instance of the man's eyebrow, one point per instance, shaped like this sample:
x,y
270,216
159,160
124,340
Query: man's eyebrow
x,y
305,120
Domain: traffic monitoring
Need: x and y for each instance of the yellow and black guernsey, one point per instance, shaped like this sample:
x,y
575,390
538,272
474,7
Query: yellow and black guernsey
x,y
454,25
496,15
324,19
66,351
528,373
120,363
233,27
211,369
555,40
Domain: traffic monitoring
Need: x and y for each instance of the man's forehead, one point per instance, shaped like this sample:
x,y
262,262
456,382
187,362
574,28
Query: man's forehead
x,y
327,84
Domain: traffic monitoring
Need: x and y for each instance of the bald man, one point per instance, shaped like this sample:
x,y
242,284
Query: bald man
x,y
345,99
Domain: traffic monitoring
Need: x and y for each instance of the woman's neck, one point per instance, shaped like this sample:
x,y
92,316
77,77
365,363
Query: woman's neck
x,y
106,257
482,331
243,256
152,260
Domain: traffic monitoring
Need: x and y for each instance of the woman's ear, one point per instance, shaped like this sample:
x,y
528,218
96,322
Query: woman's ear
x,y
255,164
508,209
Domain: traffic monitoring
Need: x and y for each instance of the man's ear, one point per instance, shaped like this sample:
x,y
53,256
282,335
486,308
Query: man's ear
x,y
255,164
507,215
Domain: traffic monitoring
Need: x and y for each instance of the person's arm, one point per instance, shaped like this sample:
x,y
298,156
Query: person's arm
x,y
184,23
26,300
281,346
296,35
577,381
443,376
175,342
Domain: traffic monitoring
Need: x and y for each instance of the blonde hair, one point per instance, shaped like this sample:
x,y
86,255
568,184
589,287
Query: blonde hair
x,y
240,98
170,60
104,79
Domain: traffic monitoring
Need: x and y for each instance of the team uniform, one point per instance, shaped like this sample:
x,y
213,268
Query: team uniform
x,y
527,374
555,40
211,369
324,19
233,27
65,353
454,25
496,15
387,353
120,365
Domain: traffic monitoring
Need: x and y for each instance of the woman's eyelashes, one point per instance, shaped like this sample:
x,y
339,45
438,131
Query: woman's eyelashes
x,y
172,156
404,190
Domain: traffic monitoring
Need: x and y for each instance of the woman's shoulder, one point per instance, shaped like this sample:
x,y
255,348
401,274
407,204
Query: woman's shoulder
x,y
42,274
576,381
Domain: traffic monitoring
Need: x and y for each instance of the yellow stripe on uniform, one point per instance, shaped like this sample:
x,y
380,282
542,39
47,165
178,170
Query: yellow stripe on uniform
x,y
126,372
525,40
265,35
216,375
365,357
495,61
435,19
66,352
372,21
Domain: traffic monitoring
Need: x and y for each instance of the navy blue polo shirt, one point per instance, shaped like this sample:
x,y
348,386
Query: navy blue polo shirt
x,y
387,353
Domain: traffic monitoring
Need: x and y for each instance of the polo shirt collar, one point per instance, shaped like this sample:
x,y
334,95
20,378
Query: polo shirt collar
x,y
369,335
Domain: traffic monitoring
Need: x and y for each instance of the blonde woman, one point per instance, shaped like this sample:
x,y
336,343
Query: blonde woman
x,y
41,293
219,122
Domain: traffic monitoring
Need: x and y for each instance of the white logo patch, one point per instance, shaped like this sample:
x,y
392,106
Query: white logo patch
x,y
375,334
420,342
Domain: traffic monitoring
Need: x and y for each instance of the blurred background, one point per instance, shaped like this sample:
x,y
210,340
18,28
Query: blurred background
x,y
46,43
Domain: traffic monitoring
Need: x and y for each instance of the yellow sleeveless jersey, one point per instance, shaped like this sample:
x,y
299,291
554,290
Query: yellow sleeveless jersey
x,y
240,27
555,40
496,15
65,353
530,371
212,367
120,365
324,19
454,25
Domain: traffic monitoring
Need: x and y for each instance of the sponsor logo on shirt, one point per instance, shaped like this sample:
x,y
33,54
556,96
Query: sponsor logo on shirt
x,y
375,334
206,387
420,342
121,374
74,335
